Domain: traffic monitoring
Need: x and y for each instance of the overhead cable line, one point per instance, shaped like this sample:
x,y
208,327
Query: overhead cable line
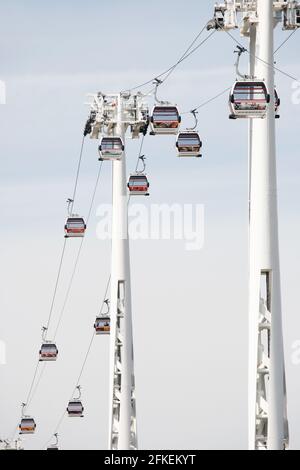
x,y
92,339
208,101
140,153
77,174
65,240
30,394
82,367
285,41
36,385
78,253
56,285
32,382
186,54
33,392
182,58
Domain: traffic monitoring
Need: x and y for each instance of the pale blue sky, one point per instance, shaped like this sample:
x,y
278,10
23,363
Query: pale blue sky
x,y
191,381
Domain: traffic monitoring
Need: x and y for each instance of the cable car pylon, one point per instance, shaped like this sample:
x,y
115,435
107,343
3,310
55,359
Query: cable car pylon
x,y
267,402
111,116
268,427
122,435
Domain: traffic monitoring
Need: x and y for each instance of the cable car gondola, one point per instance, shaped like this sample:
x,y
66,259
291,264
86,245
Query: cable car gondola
x,y
111,148
102,325
138,185
165,119
189,144
75,408
249,99
75,227
102,322
27,425
48,352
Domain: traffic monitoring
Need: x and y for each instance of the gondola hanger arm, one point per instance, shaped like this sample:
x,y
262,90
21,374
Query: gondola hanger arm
x,y
194,112
78,388
70,203
157,82
107,303
239,51
44,334
142,158
23,409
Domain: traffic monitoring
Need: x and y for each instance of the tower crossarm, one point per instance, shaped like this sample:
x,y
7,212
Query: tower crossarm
x,y
242,14
104,113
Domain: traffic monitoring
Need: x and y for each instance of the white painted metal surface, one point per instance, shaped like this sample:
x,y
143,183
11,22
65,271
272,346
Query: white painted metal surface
x,y
268,424
266,359
122,433
113,114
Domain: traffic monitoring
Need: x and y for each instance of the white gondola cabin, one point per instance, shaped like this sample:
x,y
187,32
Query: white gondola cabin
x,y
48,352
102,325
75,227
165,119
189,144
249,99
138,185
111,148
27,425
75,409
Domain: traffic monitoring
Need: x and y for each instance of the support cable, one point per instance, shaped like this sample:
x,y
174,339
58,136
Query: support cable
x,y
32,392
140,153
205,103
36,385
56,285
33,381
78,253
77,175
186,54
82,368
68,290
285,41
170,70
29,394
179,62
72,201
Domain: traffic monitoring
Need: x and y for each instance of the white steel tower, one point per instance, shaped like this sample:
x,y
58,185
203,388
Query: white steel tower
x,y
267,400
267,416
112,115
